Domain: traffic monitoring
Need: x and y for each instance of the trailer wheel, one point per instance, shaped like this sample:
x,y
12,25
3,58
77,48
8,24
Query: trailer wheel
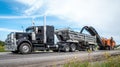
x,y
92,48
55,50
66,48
25,48
72,47
110,48
107,48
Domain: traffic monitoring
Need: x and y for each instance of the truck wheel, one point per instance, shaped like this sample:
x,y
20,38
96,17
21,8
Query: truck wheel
x,y
94,48
66,48
25,48
72,47
91,48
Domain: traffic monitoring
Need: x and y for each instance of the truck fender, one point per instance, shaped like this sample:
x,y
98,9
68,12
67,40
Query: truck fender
x,y
23,40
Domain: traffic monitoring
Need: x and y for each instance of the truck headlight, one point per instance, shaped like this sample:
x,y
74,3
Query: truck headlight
x,y
12,37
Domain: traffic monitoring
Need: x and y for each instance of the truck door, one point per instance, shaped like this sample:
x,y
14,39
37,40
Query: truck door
x,y
39,35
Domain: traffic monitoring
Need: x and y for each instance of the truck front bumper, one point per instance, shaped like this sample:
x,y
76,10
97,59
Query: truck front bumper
x,y
10,47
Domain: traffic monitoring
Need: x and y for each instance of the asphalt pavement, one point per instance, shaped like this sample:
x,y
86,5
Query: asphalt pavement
x,y
46,59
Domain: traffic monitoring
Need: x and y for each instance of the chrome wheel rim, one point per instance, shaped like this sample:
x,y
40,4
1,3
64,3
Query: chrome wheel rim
x,y
25,49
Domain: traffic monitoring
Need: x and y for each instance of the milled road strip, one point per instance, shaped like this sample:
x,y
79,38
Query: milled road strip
x,y
47,59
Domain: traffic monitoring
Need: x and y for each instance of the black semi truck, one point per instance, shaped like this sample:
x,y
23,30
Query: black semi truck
x,y
42,38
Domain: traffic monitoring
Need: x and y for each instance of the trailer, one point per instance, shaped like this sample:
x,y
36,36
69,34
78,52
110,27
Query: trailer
x,y
40,39
70,40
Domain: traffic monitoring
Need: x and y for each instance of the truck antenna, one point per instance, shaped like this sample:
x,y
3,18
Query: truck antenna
x,y
23,28
44,29
33,22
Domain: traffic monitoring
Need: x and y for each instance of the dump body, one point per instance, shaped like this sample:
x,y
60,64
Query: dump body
x,y
68,35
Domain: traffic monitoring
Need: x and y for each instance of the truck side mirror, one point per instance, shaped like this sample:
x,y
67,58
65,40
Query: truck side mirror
x,y
33,36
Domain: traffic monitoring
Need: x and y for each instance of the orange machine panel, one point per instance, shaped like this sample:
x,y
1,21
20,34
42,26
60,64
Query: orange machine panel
x,y
108,42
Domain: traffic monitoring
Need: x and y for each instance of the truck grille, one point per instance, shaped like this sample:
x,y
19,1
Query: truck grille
x,y
10,42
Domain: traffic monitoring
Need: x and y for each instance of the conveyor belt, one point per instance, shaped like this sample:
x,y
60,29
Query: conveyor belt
x,y
93,32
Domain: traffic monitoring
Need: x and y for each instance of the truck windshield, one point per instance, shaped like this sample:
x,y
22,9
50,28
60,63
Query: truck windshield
x,y
30,30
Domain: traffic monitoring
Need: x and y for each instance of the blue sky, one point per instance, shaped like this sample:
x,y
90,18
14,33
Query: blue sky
x,y
103,15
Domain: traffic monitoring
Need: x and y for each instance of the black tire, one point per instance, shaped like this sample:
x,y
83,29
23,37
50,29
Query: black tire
x,y
15,52
72,47
55,50
66,48
25,48
91,48
47,49
94,48
107,48
110,48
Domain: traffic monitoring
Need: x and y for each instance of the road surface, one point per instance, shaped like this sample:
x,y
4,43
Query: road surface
x,y
43,59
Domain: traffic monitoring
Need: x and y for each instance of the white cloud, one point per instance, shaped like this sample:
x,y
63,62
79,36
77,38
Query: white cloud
x,y
33,5
12,17
9,30
101,14
37,5
27,2
19,17
84,12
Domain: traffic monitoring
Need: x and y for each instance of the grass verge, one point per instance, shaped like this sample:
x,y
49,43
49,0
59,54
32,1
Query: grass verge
x,y
113,61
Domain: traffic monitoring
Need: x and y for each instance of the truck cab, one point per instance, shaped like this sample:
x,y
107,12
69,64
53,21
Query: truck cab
x,y
31,40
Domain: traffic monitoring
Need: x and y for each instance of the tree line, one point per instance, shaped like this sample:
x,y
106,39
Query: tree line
x,y
2,43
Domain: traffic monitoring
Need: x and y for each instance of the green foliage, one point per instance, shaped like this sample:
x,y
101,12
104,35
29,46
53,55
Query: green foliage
x,y
2,43
77,64
110,62
2,46
2,49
